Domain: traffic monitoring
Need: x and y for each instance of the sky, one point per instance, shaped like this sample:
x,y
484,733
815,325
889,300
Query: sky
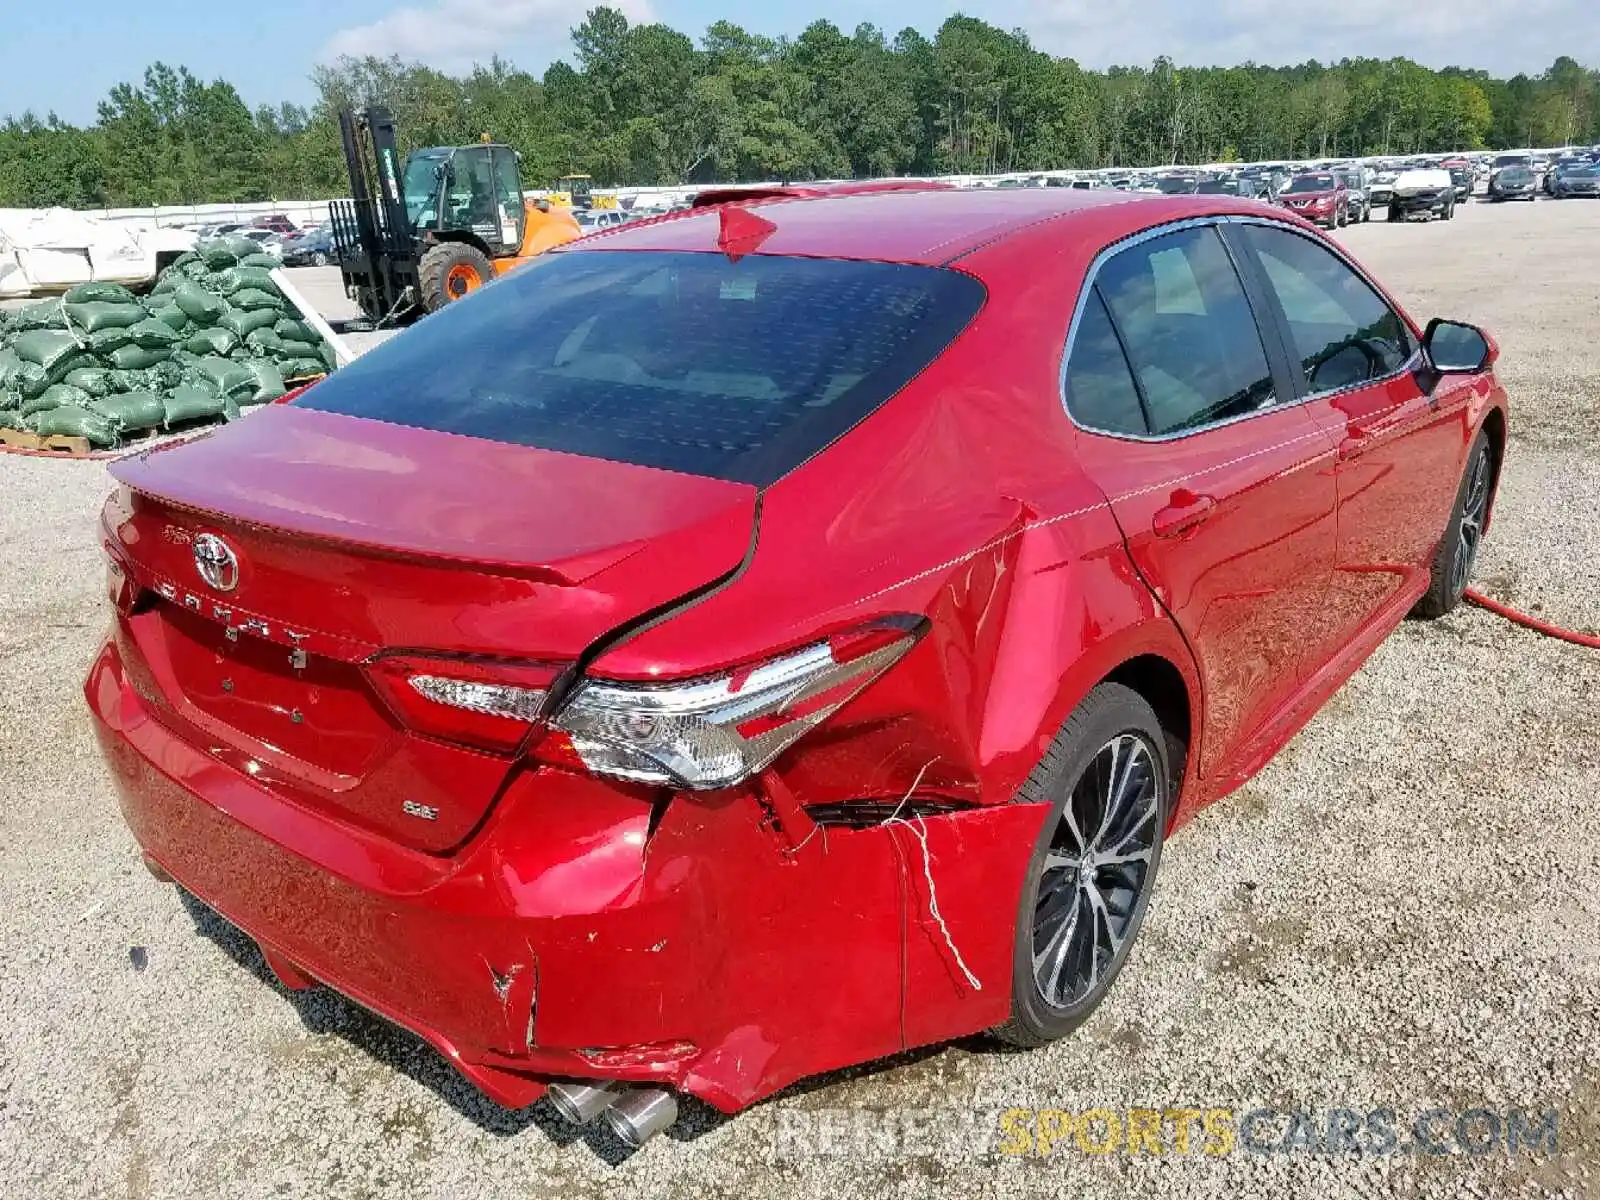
x,y
65,56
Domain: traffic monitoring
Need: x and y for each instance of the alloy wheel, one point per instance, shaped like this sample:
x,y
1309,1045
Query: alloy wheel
x,y
1474,509
1096,871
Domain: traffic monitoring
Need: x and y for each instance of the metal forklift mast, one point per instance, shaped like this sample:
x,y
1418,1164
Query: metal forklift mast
x,y
374,221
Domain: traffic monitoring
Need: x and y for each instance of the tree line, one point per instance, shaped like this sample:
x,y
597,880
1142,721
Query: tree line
x,y
644,104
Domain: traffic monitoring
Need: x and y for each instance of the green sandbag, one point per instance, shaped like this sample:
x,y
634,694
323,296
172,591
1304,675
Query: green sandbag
x,y
103,341
330,360
53,397
187,403
168,282
216,255
132,410
302,368
46,314
166,375
229,378
242,277
187,257
66,366
225,252
45,347
137,358
251,298
266,341
99,293
11,418
75,421
153,334
29,380
173,317
130,381
63,393
244,322
291,330
9,365
102,314
97,381
199,305
260,260
268,381
211,341
193,378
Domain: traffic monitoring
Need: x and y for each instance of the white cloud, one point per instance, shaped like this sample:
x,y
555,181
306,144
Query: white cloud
x,y
1496,35
454,34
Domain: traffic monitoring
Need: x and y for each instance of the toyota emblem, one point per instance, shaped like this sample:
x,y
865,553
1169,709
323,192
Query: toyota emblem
x,y
216,562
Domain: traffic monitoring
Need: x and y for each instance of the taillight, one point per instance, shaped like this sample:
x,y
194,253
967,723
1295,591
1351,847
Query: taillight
x,y
488,704
717,731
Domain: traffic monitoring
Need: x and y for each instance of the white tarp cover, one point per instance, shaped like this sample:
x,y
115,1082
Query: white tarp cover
x,y
49,249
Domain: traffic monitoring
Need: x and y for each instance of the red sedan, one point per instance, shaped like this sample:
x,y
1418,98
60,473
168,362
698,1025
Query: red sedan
x,y
763,639
1321,197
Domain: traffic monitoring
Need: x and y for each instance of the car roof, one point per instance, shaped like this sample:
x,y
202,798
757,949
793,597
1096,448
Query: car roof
x,y
924,226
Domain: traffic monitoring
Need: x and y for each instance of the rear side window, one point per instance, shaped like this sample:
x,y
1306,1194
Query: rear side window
x,y
1344,333
1190,334
1100,391
688,362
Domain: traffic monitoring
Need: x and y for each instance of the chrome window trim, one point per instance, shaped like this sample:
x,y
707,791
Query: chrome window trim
x,y
1219,219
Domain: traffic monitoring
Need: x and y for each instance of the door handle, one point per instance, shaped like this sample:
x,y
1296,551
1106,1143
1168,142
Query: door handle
x,y
1183,513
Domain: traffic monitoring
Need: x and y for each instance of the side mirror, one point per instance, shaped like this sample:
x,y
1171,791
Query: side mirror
x,y
1454,347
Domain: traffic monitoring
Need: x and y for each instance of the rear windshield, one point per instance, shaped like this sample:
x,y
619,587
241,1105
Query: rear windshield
x,y
738,370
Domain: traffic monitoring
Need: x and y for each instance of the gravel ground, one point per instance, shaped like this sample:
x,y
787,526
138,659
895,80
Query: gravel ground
x,y
1400,912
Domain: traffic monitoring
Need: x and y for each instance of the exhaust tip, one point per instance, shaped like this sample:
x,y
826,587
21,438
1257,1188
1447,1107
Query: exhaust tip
x,y
641,1114
580,1103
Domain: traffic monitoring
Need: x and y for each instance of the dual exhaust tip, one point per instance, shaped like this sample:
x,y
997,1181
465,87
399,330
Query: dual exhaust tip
x,y
634,1114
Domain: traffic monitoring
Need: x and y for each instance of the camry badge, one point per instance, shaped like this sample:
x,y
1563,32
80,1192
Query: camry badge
x,y
216,562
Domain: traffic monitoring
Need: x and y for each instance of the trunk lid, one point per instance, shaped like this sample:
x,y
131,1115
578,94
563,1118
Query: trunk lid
x,y
279,555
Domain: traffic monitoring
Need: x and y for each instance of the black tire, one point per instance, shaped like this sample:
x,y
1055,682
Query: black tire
x,y
1463,534
319,259
451,270
1071,773
1366,212
1395,215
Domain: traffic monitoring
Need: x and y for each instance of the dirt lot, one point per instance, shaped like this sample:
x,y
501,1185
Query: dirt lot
x,y
1402,912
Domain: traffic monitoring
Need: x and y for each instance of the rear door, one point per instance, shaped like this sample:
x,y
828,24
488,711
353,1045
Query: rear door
x,y
1399,446
1224,493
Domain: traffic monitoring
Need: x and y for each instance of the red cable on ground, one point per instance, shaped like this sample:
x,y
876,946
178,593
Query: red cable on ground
x,y
1538,626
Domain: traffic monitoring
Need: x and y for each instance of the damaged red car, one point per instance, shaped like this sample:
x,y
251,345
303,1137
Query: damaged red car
x,y
764,639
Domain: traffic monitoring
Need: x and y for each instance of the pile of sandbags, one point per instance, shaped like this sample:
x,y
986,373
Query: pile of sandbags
x,y
214,337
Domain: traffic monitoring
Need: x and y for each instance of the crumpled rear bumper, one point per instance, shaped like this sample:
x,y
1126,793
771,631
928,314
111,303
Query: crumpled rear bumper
x,y
580,935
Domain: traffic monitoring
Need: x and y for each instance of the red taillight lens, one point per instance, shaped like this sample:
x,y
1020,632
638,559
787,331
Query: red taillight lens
x,y
488,704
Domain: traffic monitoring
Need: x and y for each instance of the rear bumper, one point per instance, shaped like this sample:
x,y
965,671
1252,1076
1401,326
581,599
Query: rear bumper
x,y
579,936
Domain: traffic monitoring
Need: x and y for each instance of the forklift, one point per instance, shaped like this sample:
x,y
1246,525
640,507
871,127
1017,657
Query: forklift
x,y
409,241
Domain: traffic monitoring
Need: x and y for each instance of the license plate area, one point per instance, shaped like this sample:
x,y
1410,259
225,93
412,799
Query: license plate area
x,y
307,706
